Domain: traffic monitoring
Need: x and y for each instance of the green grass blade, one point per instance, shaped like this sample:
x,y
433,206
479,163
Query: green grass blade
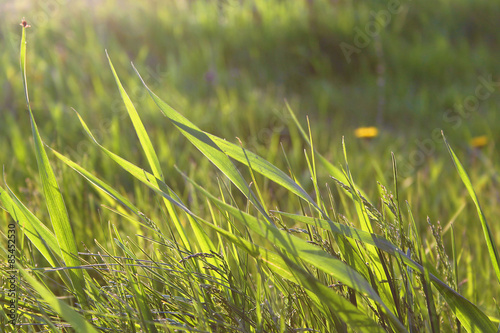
x,y
158,186
364,221
154,163
488,236
360,207
140,130
347,231
147,178
330,168
429,298
99,184
261,166
52,193
41,237
208,148
325,297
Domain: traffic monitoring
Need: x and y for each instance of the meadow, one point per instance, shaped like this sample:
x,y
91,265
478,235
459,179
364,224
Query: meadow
x,y
249,166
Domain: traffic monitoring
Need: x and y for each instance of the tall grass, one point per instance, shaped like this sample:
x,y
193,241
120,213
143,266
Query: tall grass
x,y
252,249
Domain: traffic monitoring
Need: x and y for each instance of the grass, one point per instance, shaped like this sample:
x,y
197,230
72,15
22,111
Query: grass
x,y
150,235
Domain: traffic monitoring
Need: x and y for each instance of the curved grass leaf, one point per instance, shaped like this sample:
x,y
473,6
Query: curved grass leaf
x,y
208,148
365,224
52,193
154,163
37,232
140,130
99,184
347,231
261,166
147,178
154,183
429,298
488,236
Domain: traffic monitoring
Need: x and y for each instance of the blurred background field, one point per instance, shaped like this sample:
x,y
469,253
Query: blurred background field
x,y
230,65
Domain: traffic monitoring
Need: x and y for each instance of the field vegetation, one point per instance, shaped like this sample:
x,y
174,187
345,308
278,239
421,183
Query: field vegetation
x,y
261,166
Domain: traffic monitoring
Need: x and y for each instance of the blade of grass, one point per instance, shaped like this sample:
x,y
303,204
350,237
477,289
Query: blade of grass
x,y
360,207
52,193
154,163
41,237
261,166
365,224
396,192
330,168
429,298
98,183
488,236
151,181
208,148
455,267
140,130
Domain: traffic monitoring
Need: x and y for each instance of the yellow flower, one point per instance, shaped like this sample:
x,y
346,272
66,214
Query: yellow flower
x,y
479,141
366,132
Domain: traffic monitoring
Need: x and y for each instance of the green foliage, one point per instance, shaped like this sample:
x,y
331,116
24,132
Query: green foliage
x,y
156,237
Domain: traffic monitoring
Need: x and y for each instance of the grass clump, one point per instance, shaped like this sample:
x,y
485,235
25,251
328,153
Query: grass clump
x,y
240,258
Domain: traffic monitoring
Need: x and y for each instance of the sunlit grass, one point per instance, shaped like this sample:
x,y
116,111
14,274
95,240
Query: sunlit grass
x,y
245,236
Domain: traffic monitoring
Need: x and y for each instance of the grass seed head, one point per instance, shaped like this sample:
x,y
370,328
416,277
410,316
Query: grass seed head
x,y
25,24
